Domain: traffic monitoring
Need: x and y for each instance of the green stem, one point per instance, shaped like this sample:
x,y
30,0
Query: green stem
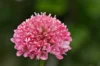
x,y
42,63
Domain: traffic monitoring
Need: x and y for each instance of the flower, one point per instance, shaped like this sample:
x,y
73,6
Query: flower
x,y
41,34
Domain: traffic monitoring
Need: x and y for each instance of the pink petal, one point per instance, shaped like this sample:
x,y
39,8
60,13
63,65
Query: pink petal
x,y
44,56
12,39
55,50
59,57
25,54
65,44
19,53
31,56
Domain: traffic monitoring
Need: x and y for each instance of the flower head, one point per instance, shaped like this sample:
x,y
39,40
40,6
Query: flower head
x,y
39,35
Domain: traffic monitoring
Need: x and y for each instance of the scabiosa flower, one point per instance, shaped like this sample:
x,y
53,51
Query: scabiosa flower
x,y
41,34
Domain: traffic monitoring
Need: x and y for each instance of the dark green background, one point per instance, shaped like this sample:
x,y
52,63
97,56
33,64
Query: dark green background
x,y
81,16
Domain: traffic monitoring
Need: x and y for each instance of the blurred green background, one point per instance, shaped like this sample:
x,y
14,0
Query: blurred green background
x,y
81,16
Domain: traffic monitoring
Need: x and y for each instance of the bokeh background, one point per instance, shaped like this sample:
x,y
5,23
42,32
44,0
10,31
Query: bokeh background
x,y
81,16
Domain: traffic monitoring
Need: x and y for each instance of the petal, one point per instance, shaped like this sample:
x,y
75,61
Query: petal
x,y
15,46
59,57
55,50
65,44
12,39
19,53
31,56
44,56
25,54
38,56
20,47
48,48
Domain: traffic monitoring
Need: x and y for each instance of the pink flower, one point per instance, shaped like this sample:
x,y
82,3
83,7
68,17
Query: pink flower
x,y
39,35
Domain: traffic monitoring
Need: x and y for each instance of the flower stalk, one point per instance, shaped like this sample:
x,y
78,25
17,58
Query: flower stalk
x,y
42,62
